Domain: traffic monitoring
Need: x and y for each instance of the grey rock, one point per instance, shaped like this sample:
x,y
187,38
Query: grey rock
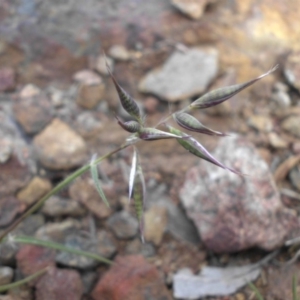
x,y
291,70
179,225
8,253
104,245
234,212
183,75
123,225
137,247
6,275
30,225
57,232
58,207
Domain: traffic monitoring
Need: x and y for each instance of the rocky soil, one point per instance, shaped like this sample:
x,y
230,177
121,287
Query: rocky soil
x,y
57,108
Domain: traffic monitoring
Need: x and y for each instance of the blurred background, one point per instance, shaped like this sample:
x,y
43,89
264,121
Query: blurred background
x,y
56,95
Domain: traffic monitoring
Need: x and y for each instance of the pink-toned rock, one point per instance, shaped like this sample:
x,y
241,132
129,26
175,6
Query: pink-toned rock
x,y
7,79
58,284
59,147
31,259
32,112
9,208
13,176
131,277
234,212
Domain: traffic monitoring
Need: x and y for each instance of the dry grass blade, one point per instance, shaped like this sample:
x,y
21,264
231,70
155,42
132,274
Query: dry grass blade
x,y
283,169
132,173
95,177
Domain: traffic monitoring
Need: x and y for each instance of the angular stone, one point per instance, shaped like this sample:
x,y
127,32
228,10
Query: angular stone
x,y
91,89
100,64
155,222
31,258
10,207
261,123
192,8
58,147
119,52
84,191
34,191
183,75
13,176
291,125
57,232
234,212
7,79
33,113
6,275
131,277
58,207
123,225
59,284
86,244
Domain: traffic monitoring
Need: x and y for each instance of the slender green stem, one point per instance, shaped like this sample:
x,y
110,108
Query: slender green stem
x,y
56,246
256,291
57,188
295,296
6,287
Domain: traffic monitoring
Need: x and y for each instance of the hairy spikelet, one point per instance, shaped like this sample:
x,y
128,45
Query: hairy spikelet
x,y
190,123
130,126
139,194
220,95
151,134
126,100
194,147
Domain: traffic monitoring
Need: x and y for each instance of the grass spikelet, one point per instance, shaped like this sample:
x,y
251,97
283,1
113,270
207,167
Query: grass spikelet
x,y
130,126
190,123
151,134
222,94
139,198
194,147
126,100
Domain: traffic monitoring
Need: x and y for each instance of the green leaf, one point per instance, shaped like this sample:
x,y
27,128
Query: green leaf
x,y
222,94
190,123
95,177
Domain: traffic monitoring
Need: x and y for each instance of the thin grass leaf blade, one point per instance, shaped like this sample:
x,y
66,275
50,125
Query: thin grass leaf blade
x,y
194,147
6,287
139,196
222,94
190,123
152,134
95,177
126,100
130,126
132,173
256,291
294,287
